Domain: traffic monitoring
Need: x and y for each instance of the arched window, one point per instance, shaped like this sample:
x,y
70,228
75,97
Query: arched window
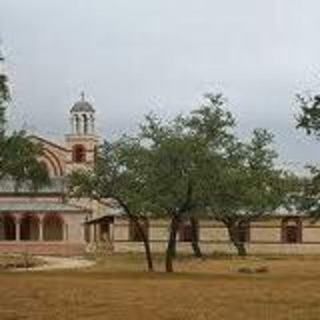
x,y
79,153
52,227
134,234
29,227
7,228
291,230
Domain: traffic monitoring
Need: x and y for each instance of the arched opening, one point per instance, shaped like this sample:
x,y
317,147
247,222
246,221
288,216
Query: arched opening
x,y
29,227
77,124
92,124
7,228
291,230
79,153
52,227
85,124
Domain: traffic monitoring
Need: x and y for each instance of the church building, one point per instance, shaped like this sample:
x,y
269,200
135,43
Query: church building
x,y
44,221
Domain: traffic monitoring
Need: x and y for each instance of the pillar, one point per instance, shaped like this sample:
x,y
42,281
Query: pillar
x,y
65,231
40,229
18,229
111,230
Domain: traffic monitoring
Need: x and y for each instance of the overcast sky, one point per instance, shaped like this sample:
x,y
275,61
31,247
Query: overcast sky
x,y
131,57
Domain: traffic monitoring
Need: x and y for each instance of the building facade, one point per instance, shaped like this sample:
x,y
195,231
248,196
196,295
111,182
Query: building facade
x,y
48,222
45,222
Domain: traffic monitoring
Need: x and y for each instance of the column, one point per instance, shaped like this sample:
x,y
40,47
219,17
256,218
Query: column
x,y
65,231
18,229
40,228
91,232
111,230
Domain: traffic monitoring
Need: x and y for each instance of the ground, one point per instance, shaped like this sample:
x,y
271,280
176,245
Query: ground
x,y
212,289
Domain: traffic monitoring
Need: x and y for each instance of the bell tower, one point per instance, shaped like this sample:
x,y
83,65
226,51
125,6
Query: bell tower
x,y
82,141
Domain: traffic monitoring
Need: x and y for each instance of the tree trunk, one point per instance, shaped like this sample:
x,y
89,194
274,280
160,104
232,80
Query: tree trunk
x,y
195,238
145,240
170,253
240,246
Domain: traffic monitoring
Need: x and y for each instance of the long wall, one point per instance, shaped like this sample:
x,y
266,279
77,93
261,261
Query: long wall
x,y
264,237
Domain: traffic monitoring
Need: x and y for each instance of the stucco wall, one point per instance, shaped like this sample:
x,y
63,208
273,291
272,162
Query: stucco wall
x,y
265,237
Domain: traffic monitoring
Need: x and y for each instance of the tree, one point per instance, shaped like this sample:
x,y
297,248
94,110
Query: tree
x,y
119,173
309,117
18,155
307,194
239,180
19,162
178,154
247,185
4,96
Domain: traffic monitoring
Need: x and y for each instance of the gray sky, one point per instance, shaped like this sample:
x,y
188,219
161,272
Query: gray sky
x,y
135,56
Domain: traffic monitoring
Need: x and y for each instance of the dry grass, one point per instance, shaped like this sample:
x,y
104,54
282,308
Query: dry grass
x,y
210,289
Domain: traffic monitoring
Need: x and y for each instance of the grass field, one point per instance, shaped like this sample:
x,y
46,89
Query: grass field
x,y
212,289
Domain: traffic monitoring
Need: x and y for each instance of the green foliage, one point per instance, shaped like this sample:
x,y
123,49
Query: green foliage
x,y
18,161
246,186
309,117
307,196
4,98
118,173
18,155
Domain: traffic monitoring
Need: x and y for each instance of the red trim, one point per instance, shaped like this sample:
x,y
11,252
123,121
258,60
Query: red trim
x,y
56,159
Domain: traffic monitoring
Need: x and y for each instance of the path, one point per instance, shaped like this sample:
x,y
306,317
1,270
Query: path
x,y
57,263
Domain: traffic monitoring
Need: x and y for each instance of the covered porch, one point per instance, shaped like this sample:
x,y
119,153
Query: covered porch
x,y
41,227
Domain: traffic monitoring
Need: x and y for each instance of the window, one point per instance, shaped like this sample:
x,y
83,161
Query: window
x,y
134,234
79,153
244,232
185,232
291,230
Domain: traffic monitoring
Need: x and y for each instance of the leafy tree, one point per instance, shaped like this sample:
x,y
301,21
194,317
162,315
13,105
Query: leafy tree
x,y
119,173
247,185
18,155
19,162
307,195
4,97
309,117
170,175
178,154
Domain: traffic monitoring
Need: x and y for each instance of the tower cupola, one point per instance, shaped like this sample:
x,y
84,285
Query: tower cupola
x,y
82,142
82,117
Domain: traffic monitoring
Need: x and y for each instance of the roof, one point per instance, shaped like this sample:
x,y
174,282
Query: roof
x,y
82,106
39,207
46,141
